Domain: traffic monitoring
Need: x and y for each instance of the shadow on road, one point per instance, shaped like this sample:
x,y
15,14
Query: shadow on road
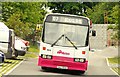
x,y
9,61
61,71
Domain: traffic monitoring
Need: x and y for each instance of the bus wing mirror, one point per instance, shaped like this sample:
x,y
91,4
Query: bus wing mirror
x,y
93,33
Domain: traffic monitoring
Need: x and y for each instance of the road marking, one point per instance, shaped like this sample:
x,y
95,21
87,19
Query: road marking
x,y
114,71
110,67
107,61
14,68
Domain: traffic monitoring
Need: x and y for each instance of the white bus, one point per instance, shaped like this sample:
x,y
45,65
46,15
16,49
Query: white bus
x,y
65,42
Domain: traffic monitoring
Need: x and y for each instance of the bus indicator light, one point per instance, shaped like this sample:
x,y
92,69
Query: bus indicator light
x,y
83,52
90,23
44,48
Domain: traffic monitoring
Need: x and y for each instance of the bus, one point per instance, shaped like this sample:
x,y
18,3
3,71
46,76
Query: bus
x,y
65,42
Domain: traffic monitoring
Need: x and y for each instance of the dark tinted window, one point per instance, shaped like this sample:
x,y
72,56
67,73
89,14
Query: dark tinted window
x,y
67,19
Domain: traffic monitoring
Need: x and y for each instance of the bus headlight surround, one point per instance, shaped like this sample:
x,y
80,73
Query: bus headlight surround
x,y
49,57
46,56
82,60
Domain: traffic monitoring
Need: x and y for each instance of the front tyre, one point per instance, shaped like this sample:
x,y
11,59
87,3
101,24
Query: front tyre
x,y
16,54
82,72
44,68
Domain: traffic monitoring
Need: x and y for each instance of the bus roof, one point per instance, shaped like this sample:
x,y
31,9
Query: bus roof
x,y
67,18
59,14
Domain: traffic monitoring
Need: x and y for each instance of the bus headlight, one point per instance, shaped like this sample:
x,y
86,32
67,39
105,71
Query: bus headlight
x,y
49,57
46,56
79,60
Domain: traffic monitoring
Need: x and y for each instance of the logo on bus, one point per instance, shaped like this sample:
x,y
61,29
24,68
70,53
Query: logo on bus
x,y
61,52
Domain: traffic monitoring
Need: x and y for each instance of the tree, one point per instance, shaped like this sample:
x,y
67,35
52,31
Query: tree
x,y
66,7
23,16
0,11
116,18
96,13
21,29
87,5
76,8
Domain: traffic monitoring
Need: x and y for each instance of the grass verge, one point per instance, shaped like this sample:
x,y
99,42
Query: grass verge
x,y
33,49
32,52
113,61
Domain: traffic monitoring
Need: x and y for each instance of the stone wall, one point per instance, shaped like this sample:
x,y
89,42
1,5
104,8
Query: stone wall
x,y
100,40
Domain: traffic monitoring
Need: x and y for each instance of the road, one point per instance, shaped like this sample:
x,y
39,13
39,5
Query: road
x,y
97,66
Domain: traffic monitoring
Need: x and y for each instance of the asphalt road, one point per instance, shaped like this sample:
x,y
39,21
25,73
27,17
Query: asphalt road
x,y
97,66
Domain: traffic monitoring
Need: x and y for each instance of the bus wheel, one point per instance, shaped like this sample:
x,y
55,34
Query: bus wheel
x,y
82,72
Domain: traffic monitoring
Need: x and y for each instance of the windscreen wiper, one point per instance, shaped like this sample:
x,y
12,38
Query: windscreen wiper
x,y
57,40
70,42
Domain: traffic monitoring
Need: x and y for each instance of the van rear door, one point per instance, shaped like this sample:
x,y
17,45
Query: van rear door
x,y
4,40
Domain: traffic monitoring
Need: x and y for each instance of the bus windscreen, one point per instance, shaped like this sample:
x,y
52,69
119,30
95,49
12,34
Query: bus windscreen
x,y
76,33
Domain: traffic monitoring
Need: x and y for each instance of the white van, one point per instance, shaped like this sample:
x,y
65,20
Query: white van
x,y
21,46
7,40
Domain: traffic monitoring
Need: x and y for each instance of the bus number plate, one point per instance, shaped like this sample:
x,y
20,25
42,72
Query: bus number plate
x,y
62,67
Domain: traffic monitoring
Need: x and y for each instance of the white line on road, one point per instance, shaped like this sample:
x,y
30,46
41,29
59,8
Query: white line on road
x,y
107,61
110,67
13,68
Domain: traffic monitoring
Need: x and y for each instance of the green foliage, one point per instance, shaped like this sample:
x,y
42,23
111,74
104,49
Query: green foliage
x,y
114,14
94,10
65,7
75,8
23,17
96,14
110,27
115,18
33,48
0,11
32,52
114,60
21,29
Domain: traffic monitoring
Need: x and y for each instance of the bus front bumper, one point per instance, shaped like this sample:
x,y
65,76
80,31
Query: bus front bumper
x,y
62,64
